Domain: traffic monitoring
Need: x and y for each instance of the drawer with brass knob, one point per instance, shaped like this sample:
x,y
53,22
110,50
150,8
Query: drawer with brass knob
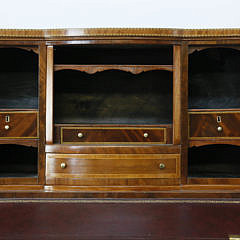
x,y
19,124
75,169
214,124
71,135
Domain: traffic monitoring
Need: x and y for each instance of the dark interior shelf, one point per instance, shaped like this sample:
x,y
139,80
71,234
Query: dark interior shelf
x,y
214,75
18,161
214,161
19,78
113,97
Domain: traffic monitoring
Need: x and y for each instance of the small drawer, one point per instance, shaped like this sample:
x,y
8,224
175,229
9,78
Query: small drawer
x,y
73,168
19,124
214,125
70,135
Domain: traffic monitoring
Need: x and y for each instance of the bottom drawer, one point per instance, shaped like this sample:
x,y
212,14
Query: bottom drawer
x,y
72,169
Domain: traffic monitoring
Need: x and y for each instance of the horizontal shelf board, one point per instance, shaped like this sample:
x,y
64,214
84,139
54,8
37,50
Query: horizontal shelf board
x,y
23,142
113,125
214,110
117,148
12,179
18,110
211,141
29,176
134,69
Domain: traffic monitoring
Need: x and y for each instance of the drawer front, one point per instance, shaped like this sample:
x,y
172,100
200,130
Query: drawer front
x,y
214,125
71,168
71,135
19,124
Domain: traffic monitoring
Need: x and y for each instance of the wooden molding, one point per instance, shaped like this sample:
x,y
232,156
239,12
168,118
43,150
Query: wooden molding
x,y
118,32
134,69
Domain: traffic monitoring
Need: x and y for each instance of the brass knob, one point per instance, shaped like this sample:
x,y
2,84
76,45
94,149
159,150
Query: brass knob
x,y
145,135
219,129
162,166
6,127
80,135
63,165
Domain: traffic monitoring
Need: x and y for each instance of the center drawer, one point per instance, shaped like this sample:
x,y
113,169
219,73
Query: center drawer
x,y
76,168
216,124
71,135
19,124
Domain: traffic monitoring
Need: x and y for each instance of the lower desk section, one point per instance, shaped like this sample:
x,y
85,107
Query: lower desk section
x,y
119,219
111,169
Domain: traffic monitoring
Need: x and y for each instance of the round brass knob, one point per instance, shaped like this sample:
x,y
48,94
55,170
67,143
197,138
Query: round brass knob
x,y
145,135
219,129
63,165
6,127
80,135
162,166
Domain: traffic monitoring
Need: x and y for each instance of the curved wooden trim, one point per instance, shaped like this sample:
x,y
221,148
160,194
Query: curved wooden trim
x,y
134,69
192,49
22,142
119,32
212,141
29,49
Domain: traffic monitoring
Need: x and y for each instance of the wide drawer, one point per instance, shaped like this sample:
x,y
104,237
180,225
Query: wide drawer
x,y
214,125
19,124
72,168
71,135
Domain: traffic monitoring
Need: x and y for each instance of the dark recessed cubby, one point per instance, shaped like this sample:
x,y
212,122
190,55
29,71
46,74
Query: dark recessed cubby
x,y
18,161
214,161
19,79
114,54
112,96
214,78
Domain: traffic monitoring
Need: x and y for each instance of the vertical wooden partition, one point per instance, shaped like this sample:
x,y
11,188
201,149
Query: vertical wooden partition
x,y
42,113
49,96
180,104
177,94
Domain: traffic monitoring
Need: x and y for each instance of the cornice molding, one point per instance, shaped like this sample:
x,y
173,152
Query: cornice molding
x,y
118,32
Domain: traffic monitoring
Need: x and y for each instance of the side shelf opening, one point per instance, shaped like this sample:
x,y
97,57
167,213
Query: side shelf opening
x,y
214,161
19,79
214,75
113,97
18,161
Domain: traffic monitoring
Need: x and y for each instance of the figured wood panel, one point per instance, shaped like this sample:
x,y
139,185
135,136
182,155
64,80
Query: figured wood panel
x,y
21,124
113,135
120,219
204,125
111,166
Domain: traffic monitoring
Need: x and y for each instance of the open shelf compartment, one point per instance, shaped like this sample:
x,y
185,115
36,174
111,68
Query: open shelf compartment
x,y
19,79
113,97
